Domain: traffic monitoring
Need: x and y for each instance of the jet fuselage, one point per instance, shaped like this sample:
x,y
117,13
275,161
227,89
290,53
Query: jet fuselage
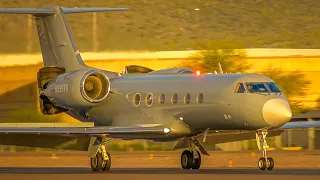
x,y
196,102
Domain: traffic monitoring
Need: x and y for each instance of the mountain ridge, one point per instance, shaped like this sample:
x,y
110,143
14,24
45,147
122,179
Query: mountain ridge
x,y
174,25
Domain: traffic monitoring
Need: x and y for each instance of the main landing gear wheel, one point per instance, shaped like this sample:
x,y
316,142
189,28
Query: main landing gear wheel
x,y
96,162
264,162
188,160
106,164
196,162
99,164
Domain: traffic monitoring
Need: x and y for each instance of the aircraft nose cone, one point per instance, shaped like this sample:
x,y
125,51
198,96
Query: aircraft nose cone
x,y
276,112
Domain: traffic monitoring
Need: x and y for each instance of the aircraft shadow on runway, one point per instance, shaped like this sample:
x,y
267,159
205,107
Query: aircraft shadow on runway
x,y
227,171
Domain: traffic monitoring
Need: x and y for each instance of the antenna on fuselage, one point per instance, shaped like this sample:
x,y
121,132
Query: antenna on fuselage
x,y
220,68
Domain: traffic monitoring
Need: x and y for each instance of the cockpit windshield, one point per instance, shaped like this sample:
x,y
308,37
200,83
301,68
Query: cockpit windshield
x,y
262,87
256,87
273,87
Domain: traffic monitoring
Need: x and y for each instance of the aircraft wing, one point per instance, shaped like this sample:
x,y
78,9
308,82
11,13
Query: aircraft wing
x,y
110,131
301,125
217,137
73,138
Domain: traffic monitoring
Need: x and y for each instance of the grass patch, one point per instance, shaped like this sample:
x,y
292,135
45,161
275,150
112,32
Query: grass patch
x,y
265,24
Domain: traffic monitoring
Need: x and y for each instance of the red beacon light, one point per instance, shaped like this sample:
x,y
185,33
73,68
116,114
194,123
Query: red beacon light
x,y
198,73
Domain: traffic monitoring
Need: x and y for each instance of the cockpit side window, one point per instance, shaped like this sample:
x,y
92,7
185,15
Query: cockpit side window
x,y
273,87
240,88
256,87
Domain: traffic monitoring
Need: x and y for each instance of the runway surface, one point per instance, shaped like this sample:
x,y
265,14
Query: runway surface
x,y
159,166
157,173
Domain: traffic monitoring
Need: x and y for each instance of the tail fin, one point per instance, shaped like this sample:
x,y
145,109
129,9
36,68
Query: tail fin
x,y
57,43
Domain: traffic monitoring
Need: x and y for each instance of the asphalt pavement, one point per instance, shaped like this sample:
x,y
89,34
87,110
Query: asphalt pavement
x,y
159,165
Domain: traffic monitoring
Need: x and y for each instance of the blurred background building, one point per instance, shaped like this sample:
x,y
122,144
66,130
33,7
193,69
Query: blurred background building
x,y
19,100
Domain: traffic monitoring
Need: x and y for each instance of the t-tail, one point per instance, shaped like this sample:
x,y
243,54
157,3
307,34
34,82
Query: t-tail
x,y
65,83
57,43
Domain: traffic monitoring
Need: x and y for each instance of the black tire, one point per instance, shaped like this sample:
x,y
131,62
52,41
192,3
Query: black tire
x,y
262,163
186,159
197,162
96,162
106,165
270,163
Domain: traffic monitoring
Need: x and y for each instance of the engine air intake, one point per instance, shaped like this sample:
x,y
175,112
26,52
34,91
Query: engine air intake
x,y
95,86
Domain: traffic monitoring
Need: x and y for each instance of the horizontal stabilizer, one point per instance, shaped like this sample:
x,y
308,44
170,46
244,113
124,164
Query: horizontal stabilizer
x,y
34,11
51,10
83,10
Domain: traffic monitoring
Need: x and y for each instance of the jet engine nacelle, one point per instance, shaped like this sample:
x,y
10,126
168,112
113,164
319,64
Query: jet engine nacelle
x,y
81,88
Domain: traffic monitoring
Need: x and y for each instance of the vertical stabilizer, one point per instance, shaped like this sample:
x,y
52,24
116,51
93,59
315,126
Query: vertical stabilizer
x,y
56,40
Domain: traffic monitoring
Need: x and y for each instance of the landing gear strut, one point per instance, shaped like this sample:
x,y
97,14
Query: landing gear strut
x,y
101,161
191,159
264,162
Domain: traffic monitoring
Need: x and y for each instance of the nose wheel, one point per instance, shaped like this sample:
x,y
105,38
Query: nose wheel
x,y
264,162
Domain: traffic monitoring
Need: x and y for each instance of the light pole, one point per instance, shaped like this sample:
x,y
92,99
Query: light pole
x,y
196,16
94,32
29,34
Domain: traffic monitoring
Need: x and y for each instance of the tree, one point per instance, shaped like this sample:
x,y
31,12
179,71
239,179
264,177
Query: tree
x,y
232,57
292,84
318,103
229,54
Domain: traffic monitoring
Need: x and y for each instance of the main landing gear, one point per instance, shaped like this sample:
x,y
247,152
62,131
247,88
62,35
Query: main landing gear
x,y
101,161
264,162
191,159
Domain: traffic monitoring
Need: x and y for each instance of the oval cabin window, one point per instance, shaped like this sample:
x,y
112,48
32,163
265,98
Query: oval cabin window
x,y
174,99
149,99
136,99
187,98
200,98
162,99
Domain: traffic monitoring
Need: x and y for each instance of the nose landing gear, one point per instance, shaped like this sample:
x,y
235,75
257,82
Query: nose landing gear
x,y
264,162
